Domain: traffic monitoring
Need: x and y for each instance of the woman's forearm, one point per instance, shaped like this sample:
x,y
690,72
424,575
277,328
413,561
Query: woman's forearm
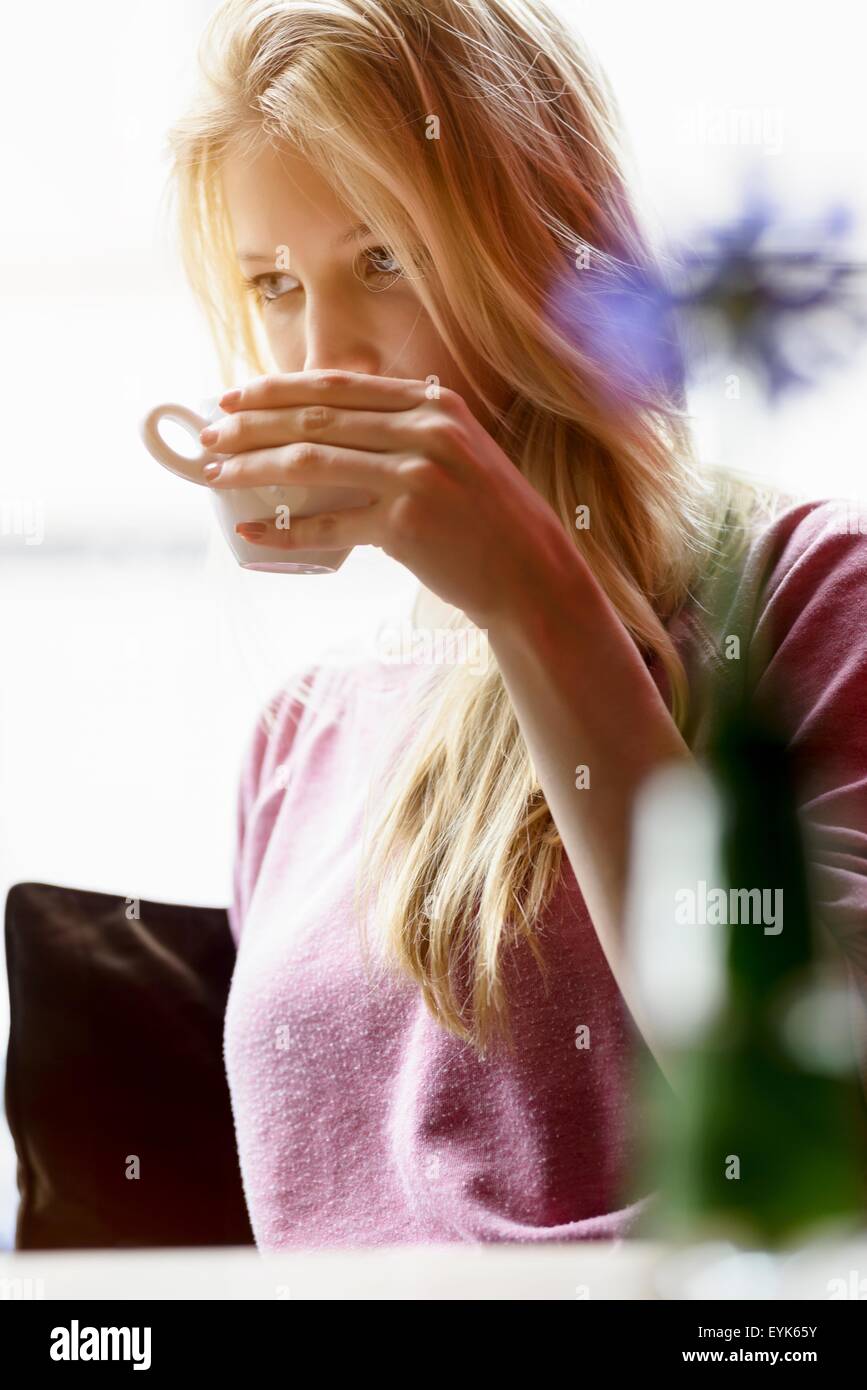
x,y
591,714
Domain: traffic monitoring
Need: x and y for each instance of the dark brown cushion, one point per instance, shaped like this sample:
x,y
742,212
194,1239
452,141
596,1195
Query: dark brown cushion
x,y
116,1050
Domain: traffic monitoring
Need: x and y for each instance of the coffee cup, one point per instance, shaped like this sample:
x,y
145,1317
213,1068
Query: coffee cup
x,y
249,503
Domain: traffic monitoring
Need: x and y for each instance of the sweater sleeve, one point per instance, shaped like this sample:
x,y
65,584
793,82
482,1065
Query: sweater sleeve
x,y
811,630
264,762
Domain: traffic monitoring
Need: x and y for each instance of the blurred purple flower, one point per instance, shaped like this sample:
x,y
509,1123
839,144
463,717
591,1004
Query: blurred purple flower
x,y
621,318
761,292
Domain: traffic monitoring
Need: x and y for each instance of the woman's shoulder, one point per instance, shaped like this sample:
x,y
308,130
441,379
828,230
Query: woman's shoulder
x,y
795,575
783,616
308,690
314,695
808,541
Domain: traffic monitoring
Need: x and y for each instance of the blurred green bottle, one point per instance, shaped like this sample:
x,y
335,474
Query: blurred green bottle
x,y
765,1141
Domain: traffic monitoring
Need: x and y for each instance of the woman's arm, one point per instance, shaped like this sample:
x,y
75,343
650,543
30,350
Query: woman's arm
x,y
583,697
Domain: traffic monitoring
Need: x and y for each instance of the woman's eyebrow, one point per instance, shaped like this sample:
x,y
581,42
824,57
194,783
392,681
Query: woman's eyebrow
x,y
352,234
359,230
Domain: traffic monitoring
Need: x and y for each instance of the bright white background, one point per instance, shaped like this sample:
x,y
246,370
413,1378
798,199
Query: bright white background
x,y
136,653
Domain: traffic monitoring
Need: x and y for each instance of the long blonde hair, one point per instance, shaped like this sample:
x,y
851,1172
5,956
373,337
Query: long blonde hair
x,y
479,138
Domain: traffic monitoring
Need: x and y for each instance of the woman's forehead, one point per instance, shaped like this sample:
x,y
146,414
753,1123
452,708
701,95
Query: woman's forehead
x,y
274,195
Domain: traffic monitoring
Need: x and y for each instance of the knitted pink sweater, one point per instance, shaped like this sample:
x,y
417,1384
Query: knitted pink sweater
x,y
359,1121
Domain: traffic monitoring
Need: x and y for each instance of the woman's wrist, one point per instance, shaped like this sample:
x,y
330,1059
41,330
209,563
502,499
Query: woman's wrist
x,y
553,601
560,638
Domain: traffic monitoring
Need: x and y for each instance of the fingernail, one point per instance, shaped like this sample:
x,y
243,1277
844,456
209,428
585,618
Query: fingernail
x,y
209,435
250,528
212,470
230,397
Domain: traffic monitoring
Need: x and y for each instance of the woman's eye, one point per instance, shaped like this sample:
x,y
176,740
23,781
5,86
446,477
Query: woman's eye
x,y
264,291
380,266
382,263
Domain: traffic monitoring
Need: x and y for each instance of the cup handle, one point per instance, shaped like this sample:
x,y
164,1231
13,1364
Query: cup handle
x,y
188,468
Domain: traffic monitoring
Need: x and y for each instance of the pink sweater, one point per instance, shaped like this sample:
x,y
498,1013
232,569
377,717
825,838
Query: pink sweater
x,y
359,1121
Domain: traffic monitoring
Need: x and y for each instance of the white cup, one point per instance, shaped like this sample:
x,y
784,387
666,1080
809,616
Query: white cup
x,y
249,503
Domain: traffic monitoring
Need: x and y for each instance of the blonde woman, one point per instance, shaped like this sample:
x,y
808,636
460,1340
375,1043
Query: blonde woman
x,y
431,1028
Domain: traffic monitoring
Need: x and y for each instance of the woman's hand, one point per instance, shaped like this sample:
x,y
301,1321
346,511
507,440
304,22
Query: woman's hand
x,y
447,502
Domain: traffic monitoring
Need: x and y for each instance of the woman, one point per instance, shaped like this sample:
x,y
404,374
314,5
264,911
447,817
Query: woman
x,y
411,193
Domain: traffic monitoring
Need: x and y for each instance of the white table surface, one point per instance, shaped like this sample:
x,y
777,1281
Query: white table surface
x,y
631,1269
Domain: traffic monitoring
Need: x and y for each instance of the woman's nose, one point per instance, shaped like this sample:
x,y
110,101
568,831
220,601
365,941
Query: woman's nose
x,y
332,342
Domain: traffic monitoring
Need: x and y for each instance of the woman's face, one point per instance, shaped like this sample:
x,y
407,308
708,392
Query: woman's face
x,y
334,298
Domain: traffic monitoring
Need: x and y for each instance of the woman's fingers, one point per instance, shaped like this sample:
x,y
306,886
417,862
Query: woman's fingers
x,y
308,463
351,429
352,390
326,531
